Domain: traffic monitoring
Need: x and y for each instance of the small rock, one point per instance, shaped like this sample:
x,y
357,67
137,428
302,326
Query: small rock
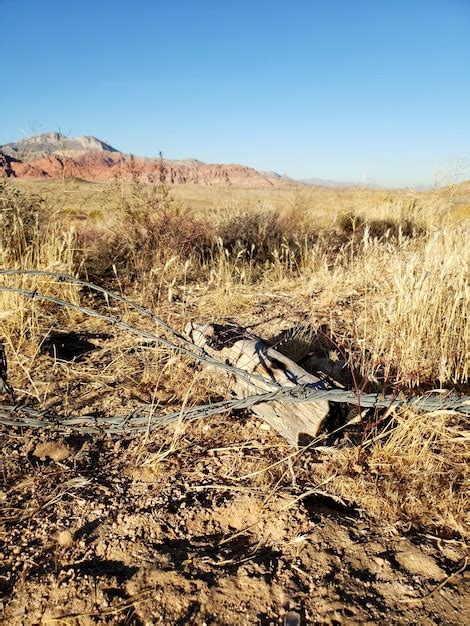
x,y
451,554
419,564
374,547
55,450
292,618
20,611
65,539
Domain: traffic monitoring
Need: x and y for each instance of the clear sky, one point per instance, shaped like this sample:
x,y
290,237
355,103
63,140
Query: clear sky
x,y
341,89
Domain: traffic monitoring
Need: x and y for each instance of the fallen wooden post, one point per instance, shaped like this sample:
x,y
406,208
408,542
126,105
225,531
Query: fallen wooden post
x,y
234,345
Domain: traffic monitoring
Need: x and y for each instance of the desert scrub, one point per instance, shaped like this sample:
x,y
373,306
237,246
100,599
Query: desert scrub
x,y
354,226
33,235
413,472
350,222
258,235
421,327
142,235
23,216
407,307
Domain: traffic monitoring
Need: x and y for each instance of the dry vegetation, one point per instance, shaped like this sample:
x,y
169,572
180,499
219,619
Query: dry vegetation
x,y
379,278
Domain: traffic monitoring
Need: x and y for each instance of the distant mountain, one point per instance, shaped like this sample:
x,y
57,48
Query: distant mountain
x,y
40,146
53,155
325,182
276,176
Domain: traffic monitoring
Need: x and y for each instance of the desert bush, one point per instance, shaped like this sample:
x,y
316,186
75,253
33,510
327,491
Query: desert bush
x,y
350,222
390,230
142,235
356,226
23,217
259,235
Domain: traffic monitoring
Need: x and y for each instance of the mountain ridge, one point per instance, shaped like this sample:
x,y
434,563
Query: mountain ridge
x,y
38,146
54,155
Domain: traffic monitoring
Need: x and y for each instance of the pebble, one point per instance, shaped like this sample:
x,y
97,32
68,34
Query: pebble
x,y
55,450
65,539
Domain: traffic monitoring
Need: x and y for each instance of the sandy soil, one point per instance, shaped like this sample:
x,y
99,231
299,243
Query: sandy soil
x,y
212,525
108,530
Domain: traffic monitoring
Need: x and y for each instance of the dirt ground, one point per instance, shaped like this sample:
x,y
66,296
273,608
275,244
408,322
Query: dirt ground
x,y
94,533
211,522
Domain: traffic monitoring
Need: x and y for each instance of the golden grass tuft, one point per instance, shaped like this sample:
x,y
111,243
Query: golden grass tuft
x,y
414,472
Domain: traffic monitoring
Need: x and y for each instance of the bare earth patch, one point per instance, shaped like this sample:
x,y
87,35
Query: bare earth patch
x,y
95,538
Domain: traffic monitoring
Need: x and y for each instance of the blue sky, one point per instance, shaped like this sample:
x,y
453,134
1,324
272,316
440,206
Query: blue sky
x,y
340,89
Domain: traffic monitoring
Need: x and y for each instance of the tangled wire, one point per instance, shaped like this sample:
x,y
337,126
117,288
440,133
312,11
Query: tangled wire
x,y
147,418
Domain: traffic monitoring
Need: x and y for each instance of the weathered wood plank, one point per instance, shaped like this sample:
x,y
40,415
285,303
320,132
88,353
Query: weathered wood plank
x,y
231,344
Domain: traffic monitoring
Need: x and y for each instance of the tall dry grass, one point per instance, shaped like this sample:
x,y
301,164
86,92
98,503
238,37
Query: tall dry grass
x,y
417,325
413,473
407,305
386,272
33,237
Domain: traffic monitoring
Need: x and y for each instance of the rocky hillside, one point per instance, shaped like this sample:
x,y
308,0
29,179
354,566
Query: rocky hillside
x,y
53,155
40,146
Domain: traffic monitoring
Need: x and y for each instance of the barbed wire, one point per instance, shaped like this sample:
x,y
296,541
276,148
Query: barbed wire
x,y
146,418
109,295
141,420
189,349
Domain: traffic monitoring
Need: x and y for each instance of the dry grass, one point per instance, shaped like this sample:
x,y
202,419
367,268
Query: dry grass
x,y
418,326
414,472
408,304
397,304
